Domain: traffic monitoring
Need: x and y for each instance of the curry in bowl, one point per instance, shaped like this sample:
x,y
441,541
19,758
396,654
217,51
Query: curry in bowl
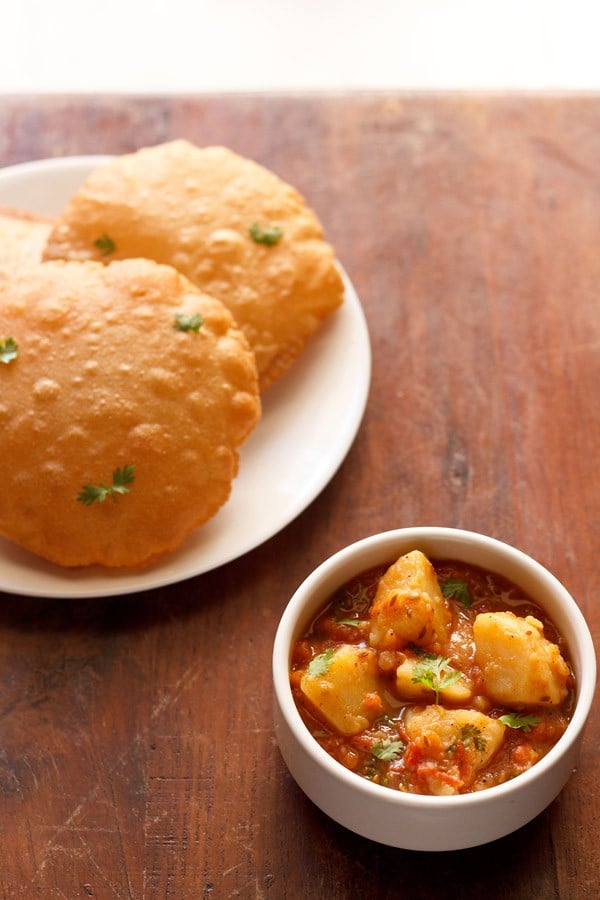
x,y
433,677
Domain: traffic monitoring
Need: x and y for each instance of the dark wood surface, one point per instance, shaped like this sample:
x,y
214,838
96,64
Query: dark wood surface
x,y
137,753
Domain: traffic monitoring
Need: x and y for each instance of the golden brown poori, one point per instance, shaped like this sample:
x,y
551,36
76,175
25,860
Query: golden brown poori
x,y
121,412
233,227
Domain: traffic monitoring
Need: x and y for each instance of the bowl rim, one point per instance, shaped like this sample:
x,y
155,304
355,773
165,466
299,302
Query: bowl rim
x,y
288,628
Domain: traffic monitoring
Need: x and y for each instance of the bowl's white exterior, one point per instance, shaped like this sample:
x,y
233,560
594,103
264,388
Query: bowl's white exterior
x,y
410,821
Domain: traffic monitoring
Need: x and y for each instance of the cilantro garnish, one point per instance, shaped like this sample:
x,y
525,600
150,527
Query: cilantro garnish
x,y
320,664
422,654
435,672
188,323
516,720
470,734
356,623
105,244
9,350
90,493
454,587
268,236
388,749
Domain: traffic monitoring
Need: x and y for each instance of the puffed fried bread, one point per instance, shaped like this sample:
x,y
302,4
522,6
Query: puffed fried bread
x,y
198,209
120,368
23,237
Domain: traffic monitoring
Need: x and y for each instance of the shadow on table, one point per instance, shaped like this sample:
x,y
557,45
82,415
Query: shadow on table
x,y
520,865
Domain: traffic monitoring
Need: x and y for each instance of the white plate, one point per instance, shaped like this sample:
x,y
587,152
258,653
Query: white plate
x,y
310,419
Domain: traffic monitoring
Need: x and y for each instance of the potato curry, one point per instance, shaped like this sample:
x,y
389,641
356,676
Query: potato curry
x,y
433,677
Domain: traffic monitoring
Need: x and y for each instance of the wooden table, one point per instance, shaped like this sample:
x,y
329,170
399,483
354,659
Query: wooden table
x,y
137,752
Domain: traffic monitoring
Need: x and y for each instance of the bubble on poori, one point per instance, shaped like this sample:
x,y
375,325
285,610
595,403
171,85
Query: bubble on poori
x,y
123,403
232,226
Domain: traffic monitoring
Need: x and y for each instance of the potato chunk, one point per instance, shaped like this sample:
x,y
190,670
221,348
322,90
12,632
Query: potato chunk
x,y
459,692
347,693
409,607
449,747
520,667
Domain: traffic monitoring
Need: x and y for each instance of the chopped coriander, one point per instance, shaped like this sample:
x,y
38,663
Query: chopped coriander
x,y
90,493
454,587
356,623
370,771
516,720
422,654
388,750
105,244
385,719
9,350
188,323
470,734
268,236
320,664
435,672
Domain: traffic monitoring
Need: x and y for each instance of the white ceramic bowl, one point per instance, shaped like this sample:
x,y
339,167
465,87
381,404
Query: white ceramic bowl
x,y
410,821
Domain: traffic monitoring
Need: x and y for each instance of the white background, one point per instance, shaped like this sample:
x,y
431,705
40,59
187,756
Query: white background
x,y
256,45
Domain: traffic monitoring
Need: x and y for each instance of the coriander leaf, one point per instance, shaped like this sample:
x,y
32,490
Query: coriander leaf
x,y
121,478
422,654
451,678
454,587
188,323
105,244
92,493
470,734
436,673
423,675
9,350
516,720
356,623
268,236
385,719
388,750
320,664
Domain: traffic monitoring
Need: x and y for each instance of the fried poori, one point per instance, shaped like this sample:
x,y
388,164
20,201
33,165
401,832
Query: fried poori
x,y
230,225
121,413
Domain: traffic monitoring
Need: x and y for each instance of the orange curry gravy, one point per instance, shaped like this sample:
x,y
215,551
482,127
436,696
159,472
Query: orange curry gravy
x,y
383,752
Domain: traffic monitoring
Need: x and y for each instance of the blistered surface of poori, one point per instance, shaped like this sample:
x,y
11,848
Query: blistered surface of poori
x,y
103,380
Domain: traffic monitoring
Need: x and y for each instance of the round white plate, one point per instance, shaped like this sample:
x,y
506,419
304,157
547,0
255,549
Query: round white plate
x,y
310,419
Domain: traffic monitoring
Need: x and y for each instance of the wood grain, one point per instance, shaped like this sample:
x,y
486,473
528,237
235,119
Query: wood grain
x,y
137,754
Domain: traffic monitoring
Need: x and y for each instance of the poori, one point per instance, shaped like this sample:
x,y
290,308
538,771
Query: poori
x,y
122,408
232,226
